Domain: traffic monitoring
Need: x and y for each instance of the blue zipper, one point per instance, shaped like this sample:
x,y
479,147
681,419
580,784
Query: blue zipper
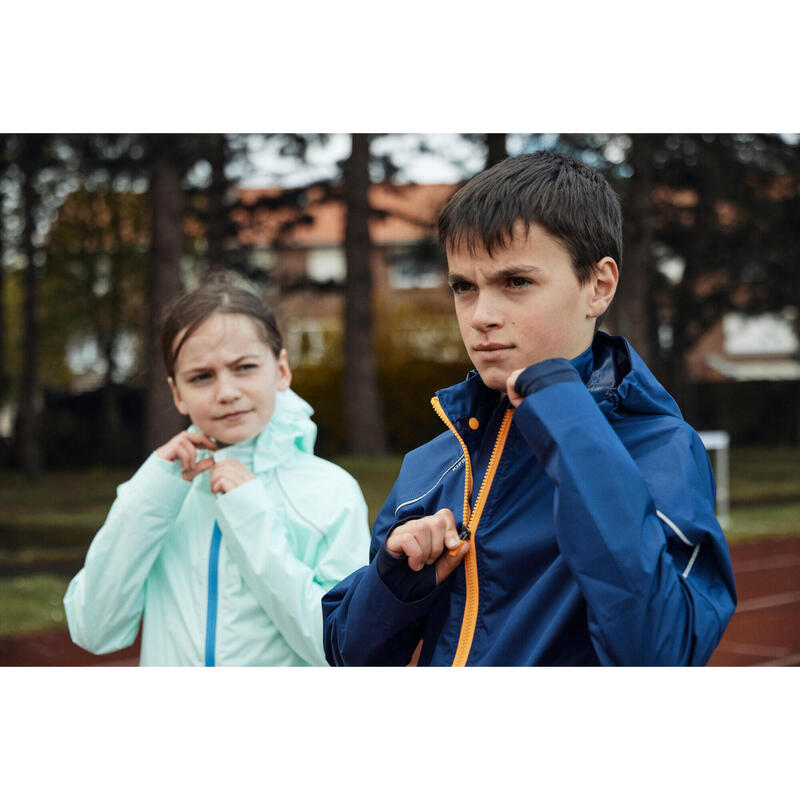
x,y
213,580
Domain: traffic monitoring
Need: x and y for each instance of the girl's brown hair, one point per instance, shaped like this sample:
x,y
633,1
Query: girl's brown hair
x,y
218,293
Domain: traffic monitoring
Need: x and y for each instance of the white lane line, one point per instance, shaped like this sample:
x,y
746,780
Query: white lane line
x,y
772,562
771,600
753,650
789,661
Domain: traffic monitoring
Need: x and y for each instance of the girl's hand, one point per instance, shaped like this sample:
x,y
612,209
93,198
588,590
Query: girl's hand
x,y
227,475
183,448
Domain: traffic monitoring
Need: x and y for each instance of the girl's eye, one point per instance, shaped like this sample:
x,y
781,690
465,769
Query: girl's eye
x,y
199,377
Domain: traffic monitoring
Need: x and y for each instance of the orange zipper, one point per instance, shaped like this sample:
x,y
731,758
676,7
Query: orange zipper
x,y
472,519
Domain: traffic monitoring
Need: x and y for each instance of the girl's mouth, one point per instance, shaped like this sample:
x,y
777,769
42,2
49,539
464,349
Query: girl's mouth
x,y
232,417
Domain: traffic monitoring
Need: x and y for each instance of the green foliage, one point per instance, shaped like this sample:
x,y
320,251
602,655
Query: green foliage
x,y
95,277
13,299
406,388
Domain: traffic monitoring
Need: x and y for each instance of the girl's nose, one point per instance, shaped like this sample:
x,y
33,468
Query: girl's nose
x,y
227,390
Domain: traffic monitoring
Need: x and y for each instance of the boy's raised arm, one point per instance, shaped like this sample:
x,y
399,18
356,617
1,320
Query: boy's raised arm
x,y
638,534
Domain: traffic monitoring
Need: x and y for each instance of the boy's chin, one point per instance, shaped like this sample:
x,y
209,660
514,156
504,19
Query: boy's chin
x,y
494,379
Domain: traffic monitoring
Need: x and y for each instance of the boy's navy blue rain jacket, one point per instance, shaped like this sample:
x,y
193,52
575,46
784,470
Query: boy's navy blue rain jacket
x,y
597,542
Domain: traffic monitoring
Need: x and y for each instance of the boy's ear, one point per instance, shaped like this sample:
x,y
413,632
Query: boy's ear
x,y
284,373
603,286
176,397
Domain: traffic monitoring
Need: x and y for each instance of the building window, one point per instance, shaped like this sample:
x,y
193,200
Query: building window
x,y
420,266
310,340
765,334
326,264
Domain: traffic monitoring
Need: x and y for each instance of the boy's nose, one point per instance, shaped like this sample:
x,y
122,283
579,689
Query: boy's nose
x,y
486,314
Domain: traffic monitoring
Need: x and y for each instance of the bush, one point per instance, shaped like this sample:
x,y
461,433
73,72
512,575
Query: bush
x,y
406,388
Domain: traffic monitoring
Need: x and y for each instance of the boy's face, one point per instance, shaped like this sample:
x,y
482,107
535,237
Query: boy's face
x,y
522,305
226,377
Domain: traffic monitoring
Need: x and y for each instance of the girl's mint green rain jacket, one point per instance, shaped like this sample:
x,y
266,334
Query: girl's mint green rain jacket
x,y
234,579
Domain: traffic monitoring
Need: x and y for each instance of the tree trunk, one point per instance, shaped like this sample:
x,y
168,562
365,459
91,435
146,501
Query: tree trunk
x,y
4,381
112,423
166,247
363,410
495,148
30,454
633,305
215,220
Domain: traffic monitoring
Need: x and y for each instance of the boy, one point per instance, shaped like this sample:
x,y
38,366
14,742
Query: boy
x,y
578,500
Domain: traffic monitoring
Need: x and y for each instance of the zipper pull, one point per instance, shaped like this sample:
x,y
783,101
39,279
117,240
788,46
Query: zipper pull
x,y
465,534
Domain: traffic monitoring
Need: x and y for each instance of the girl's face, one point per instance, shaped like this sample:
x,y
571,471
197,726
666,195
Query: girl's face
x,y
226,377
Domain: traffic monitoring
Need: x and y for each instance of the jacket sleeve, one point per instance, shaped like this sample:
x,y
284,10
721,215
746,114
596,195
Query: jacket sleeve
x,y
287,588
105,600
365,622
639,535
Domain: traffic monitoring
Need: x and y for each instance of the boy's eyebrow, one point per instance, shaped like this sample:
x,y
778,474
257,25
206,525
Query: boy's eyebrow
x,y
515,270
506,272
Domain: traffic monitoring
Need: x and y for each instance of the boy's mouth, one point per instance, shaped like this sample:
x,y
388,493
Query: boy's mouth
x,y
492,351
491,347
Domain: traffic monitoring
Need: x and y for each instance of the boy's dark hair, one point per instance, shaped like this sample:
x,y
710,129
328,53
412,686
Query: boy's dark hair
x,y
218,293
567,198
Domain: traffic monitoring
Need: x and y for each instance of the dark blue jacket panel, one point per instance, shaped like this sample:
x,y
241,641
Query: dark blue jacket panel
x,y
598,543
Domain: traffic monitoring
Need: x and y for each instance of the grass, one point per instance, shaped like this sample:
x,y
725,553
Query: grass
x,y
32,603
55,519
375,476
764,474
776,519
61,511
764,492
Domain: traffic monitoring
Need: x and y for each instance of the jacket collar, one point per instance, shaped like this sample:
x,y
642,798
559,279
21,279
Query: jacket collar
x,y
288,432
613,372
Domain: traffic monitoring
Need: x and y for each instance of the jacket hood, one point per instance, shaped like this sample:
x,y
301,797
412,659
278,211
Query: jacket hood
x,y
621,382
289,431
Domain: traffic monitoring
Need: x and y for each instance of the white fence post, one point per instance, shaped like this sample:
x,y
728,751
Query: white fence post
x,y
719,441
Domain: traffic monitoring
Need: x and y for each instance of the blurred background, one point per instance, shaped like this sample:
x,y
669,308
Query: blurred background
x,y
98,232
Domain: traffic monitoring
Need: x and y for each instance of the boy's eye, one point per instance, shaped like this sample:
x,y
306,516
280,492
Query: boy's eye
x,y
460,287
245,367
515,282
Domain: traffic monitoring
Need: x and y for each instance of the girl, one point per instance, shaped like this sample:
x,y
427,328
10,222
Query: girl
x,y
229,534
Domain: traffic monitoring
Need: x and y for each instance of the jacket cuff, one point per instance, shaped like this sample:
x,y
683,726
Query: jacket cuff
x,y
405,584
243,502
545,373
